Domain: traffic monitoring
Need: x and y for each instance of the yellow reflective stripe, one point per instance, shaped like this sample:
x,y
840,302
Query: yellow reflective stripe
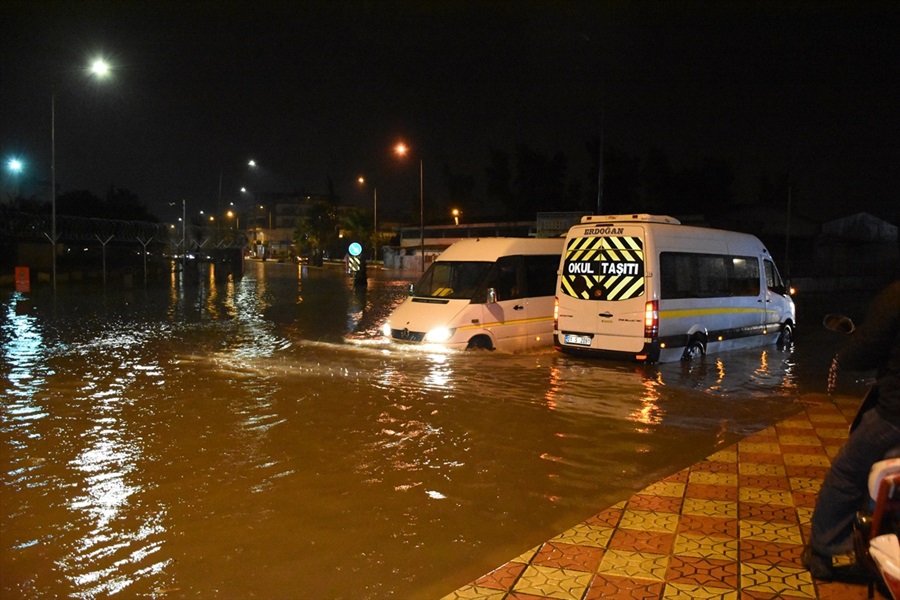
x,y
497,323
695,312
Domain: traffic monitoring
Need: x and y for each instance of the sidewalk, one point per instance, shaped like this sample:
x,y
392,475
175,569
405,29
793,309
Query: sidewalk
x,y
731,526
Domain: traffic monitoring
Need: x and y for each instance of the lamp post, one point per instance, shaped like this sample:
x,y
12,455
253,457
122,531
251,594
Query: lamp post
x,y
401,149
362,181
456,214
100,69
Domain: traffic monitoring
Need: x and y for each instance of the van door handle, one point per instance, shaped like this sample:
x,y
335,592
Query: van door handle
x,y
605,315
518,307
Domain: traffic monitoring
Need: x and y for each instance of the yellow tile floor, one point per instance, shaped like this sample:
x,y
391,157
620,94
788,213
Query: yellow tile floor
x,y
731,526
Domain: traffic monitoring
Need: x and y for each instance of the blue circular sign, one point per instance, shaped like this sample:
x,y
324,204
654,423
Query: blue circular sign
x,y
355,249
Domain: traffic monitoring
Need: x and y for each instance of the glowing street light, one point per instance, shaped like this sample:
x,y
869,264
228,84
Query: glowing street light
x,y
14,165
456,215
100,68
402,150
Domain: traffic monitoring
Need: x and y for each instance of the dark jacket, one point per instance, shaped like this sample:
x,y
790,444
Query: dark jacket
x,y
876,345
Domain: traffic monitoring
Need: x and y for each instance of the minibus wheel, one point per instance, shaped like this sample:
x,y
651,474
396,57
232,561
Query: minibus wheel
x,y
480,342
693,351
786,338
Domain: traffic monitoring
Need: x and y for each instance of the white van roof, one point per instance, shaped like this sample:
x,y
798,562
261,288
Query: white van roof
x,y
637,218
491,248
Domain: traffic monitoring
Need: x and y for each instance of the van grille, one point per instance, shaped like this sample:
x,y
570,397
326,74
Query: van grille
x,y
406,335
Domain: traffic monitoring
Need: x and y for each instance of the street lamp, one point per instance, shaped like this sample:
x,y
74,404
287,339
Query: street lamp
x,y
402,150
362,181
456,215
99,68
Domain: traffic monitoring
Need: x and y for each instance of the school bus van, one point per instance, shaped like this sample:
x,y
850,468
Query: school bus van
x,y
649,289
483,293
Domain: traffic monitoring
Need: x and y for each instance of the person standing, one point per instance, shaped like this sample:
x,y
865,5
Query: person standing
x,y
874,345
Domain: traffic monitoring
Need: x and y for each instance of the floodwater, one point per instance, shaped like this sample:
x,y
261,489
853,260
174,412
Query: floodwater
x,y
256,438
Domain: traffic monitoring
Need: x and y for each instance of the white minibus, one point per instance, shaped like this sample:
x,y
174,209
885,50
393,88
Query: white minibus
x,y
647,288
485,293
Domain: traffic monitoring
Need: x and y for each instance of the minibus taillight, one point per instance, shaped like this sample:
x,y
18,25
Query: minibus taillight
x,y
556,313
651,319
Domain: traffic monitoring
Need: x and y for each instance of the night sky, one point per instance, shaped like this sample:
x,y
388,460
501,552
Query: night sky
x,y
320,91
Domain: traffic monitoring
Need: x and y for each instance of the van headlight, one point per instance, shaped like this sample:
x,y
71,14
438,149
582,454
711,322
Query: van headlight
x,y
386,330
439,335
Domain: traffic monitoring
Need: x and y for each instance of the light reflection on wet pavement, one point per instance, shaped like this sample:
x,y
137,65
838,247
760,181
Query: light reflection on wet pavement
x,y
257,438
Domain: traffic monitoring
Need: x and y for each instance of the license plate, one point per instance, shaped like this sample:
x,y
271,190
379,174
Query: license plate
x,y
578,340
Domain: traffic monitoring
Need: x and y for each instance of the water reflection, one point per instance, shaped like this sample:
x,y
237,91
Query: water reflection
x,y
222,437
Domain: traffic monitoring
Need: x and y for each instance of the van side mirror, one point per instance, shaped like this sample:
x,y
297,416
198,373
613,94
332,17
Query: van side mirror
x,y
491,295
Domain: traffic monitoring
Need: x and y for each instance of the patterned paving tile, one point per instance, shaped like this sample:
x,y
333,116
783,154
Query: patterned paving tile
x,y
710,547
777,580
731,526
689,592
710,507
586,535
548,582
642,541
501,578
710,478
666,489
635,565
766,496
664,522
569,556
651,502
703,572
703,525
807,460
712,492
768,512
626,588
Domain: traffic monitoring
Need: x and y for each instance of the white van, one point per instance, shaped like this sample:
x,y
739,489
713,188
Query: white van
x,y
646,288
491,293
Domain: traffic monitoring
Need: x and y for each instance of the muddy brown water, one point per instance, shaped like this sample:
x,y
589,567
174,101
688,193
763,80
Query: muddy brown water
x,y
247,438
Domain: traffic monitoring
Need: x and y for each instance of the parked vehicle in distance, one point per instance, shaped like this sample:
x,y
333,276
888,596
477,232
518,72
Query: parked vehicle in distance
x,y
649,289
484,293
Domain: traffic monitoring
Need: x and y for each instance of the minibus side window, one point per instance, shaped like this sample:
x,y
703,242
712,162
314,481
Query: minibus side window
x,y
773,278
504,278
745,276
540,275
713,276
692,275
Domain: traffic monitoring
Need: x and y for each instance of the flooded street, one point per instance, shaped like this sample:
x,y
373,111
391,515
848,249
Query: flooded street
x,y
257,438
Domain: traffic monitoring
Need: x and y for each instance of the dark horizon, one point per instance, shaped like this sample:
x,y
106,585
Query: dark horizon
x,y
318,94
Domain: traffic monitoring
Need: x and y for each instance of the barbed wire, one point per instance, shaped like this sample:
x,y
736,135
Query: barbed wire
x,y
30,226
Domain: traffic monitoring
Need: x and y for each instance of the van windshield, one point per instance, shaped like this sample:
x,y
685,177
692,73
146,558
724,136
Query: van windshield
x,y
451,279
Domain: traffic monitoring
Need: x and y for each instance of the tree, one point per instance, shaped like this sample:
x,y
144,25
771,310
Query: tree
x,y
499,178
317,233
123,204
461,187
540,182
656,183
81,203
356,225
621,182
